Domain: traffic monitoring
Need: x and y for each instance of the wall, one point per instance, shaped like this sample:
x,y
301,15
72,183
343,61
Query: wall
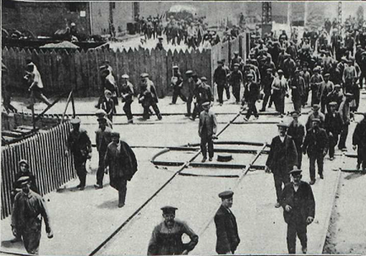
x,y
44,18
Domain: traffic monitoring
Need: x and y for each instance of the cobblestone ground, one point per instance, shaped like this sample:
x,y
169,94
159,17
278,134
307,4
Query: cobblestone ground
x,y
82,220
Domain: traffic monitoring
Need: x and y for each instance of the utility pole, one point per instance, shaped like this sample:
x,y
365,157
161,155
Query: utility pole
x,y
266,17
306,13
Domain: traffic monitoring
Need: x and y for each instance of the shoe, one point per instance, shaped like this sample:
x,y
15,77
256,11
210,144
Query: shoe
x,y
97,186
204,159
187,115
220,104
256,118
331,158
344,149
358,167
82,188
120,205
304,250
321,176
262,110
312,182
16,240
192,118
78,186
29,107
246,119
171,103
277,205
130,121
160,117
210,159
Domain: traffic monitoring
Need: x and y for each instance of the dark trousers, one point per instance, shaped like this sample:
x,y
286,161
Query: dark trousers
x,y
363,76
38,94
279,179
100,171
236,92
252,109
207,140
305,97
361,157
155,107
319,159
197,109
343,138
297,103
127,110
333,140
31,239
293,229
220,92
79,163
122,192
279,102
177,92
299,154
189,104
265,100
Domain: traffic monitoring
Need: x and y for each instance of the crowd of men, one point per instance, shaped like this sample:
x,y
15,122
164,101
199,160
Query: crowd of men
x,y
331,72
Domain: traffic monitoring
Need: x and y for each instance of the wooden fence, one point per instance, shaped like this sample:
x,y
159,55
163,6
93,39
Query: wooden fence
x,y
45,155
61,71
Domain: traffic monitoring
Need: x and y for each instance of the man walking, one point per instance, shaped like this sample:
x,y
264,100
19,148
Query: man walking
x,y
127,92
122,165
251,95
279,91
298,202
26,220
206,130
102,138
316,146
176,83
297,85
166,238
79,144
220,78
226,226
191,85
359,142
297,131
281,159
333,127
148,97
345,112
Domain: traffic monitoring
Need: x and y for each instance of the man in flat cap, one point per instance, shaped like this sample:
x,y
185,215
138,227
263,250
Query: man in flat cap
x,y
236,79
267,84
79,144
297,131
298,202
100,113
316,146
203,94
102,138
251,95
279,91
333,126
236,60
226,226
109,83
191,86
345,112
166,238
297,85
159,44
127,92
122,165
315,113
316,82
359,143
281,159
148,96
206,130
26,219
176,82
220,78
107,104
326,88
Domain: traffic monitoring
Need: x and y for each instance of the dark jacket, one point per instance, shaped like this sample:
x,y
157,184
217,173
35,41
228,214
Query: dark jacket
x,y
166,241
102,139
282,156
297,133
79,143
315,142
302,202
226,231
359,135
207,119
251,92
220,76
333,123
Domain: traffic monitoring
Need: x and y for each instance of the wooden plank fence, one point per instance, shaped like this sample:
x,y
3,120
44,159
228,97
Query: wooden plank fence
x,y
45,155
62,70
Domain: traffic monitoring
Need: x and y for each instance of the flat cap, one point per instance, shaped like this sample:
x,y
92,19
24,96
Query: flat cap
x,y
100,112
226,194
250,75
295,172
316,69
283,124
169,209
175,67
315,107
75,120
220,62
236,65
203,78
337,86
315,120
189,72
280,71
363,53
144,75
107,92
344,58
160,37
236,52
333,103
24,180
327,75
295,112
102,120
206,104
115,134
23,161
347,94
125,76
